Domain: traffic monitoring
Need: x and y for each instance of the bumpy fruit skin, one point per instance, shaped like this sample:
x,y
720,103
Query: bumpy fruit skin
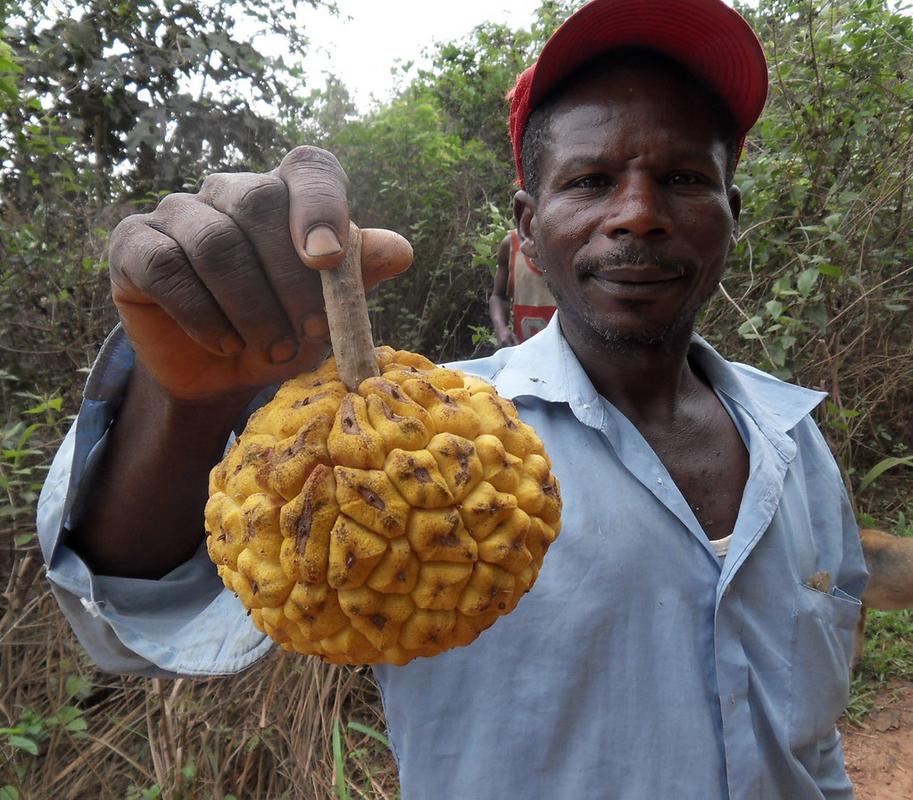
x,y
380,525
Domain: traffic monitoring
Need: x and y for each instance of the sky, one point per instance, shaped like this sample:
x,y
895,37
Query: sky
x,y
363,45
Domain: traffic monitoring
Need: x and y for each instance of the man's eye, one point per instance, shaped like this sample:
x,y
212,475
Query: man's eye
x,y
684,179
590,182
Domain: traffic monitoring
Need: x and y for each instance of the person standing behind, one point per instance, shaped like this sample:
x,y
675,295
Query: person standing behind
x,y
519,293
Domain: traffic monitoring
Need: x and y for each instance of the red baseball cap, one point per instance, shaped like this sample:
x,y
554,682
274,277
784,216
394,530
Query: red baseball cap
x,y
706,36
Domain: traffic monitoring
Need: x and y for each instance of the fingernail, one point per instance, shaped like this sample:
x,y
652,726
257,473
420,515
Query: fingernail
x,y
283,351
316,326
321,240
231,344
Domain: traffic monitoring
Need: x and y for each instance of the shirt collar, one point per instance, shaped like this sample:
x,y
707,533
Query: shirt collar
x,y
545,367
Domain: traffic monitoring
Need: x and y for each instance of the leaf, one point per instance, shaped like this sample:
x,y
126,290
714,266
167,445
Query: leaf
x,y
77,686
24,744
368,731
881,467
774,308
339,764
831,270
189,770
70,718
807,280
9,792
749,328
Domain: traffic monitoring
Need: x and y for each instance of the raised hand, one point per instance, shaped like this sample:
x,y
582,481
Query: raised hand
x,y
219,292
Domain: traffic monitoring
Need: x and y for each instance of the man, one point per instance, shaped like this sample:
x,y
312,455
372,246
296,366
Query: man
x,y
520,304
690,632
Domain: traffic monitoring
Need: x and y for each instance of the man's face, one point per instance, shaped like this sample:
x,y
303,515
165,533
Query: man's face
x,y
633,220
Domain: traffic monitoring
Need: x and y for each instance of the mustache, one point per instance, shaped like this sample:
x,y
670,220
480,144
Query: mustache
x,y
628,257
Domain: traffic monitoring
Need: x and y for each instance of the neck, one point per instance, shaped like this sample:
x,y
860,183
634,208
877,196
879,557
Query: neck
x,y
646,382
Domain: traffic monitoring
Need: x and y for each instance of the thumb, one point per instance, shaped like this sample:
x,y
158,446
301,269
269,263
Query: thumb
x,y
383,254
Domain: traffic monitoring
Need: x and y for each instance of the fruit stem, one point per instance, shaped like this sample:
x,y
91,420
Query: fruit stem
x,y
347,314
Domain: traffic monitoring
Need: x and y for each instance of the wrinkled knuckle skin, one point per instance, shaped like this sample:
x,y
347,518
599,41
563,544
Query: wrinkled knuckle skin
x,y
124,245
158,267
173,204
316,160
216,183
245,195
258,200
215,240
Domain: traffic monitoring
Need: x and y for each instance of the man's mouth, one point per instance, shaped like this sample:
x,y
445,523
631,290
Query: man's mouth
x,y
638,275
631,267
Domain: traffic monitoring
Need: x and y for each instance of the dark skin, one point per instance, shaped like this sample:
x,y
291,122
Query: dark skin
x,y
499,301
635,219
219,295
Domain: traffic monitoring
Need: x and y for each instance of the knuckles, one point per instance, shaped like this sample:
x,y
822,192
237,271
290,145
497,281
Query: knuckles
x,y
148,248
216,239
246,196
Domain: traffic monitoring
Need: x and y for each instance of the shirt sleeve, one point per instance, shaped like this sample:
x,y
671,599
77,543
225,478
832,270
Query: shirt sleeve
x,y
185,623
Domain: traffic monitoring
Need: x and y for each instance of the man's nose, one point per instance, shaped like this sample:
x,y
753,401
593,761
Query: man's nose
x,y
637,210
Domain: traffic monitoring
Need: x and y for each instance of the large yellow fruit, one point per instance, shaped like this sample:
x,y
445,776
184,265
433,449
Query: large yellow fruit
x,y
376,526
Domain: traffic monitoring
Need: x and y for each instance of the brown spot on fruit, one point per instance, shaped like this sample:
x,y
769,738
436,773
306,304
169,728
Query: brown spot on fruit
x,y
306,401
349,423
303,525
372,498
350,560
421,474
378,621
463,475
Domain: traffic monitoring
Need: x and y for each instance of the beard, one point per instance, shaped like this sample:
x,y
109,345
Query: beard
x,y
645,338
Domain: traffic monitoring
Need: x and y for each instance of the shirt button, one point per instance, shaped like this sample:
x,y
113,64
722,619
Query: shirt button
x,y
89,606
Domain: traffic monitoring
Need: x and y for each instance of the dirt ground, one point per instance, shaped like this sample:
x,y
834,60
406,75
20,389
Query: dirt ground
x,y
879,755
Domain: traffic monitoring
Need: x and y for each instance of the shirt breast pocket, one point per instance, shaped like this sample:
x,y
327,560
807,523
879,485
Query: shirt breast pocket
x,y
822,643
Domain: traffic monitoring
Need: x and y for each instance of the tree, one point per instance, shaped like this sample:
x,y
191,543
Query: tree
x,y
823,274
103,107
161,90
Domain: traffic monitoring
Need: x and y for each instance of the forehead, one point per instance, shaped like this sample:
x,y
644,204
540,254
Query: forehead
x,y
635,108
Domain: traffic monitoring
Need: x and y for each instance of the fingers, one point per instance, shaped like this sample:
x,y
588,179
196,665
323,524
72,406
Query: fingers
x,y
258,206
318,213
227,265
200,268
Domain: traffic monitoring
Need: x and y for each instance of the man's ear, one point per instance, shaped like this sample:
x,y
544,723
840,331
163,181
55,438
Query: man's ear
x,y
735,206
524,216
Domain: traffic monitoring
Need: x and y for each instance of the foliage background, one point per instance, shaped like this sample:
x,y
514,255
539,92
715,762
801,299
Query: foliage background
x,y
98,119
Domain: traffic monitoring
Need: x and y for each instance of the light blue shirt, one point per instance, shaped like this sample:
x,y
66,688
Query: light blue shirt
x,y
639,666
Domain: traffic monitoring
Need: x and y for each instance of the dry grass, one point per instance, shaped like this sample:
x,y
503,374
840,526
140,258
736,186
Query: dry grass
x,y
262,734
